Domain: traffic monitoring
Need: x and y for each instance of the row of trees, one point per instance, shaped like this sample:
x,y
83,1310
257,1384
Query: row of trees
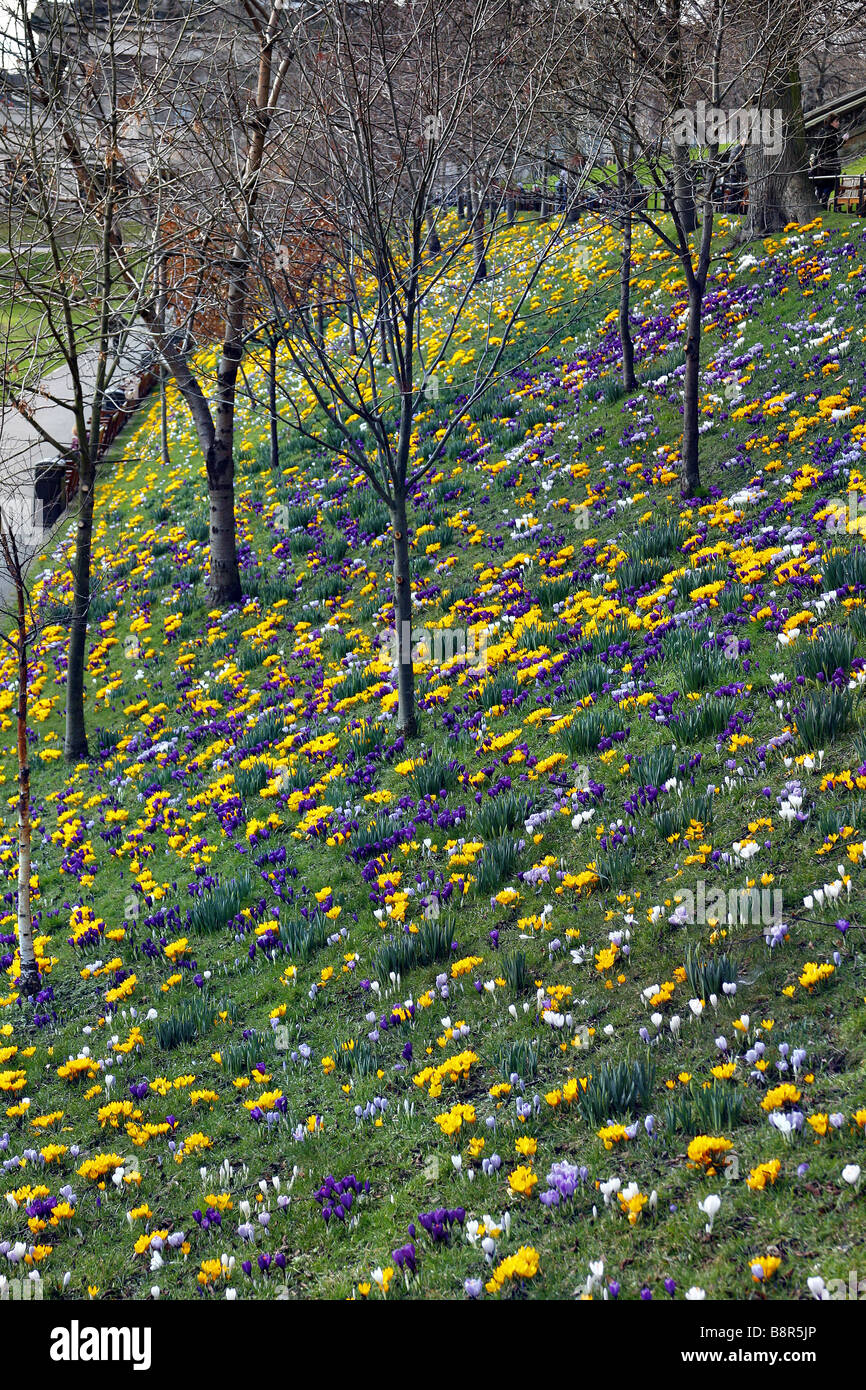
x,y
214,174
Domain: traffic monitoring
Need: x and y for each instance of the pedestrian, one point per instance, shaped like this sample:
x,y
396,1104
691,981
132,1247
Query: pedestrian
x,y
826,163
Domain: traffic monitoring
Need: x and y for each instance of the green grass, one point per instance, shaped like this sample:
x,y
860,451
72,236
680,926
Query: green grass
x,y
154,566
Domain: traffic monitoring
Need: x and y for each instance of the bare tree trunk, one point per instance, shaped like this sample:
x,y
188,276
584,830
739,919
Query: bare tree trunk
x,y
163,419
674,77
224,578
628,376
353,337
685,198
75,745
406,718
691,477
625,180
272,400
799,200
29,979
697,283
478,237
28,982
779,187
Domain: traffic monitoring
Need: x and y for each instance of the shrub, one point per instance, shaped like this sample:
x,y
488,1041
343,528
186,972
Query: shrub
x,y
655,768
616,633
518,1058
824,716
435,774
585,732
635,573
846,569
431,944
707,974
703,666
495,863
497,815
553,591
589,680
717,1107
250,780
268,729
516,971
656,539
366,740
831,649
705,719
239,1058
617,1091
192,1019
351,684
214,909
302,936
831,819
615,867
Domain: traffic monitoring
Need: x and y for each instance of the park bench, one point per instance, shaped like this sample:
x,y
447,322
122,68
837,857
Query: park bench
x,y
850,195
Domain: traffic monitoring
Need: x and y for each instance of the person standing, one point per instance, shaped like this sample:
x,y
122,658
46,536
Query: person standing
x,y
826,162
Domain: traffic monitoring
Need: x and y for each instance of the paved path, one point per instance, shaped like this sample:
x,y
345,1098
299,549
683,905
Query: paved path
x,y
23,447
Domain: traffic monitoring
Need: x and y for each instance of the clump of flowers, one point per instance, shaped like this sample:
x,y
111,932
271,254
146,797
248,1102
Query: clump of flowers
x,y
521,1265
337,1196
614,1134
438,1224
453,1120
562,1181
705,1151
763,1174
522,1181
815,974
786,1094
763,1267
632,1201
452,1069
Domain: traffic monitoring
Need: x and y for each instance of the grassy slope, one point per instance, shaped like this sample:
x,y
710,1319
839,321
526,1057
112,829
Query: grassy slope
x,y
194,668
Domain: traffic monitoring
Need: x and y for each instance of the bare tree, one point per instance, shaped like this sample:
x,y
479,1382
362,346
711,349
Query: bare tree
x,y
387,126
778,35
20,624
171,161
657,71
65,329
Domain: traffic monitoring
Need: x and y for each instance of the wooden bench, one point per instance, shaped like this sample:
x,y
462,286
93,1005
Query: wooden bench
x,y
850,195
